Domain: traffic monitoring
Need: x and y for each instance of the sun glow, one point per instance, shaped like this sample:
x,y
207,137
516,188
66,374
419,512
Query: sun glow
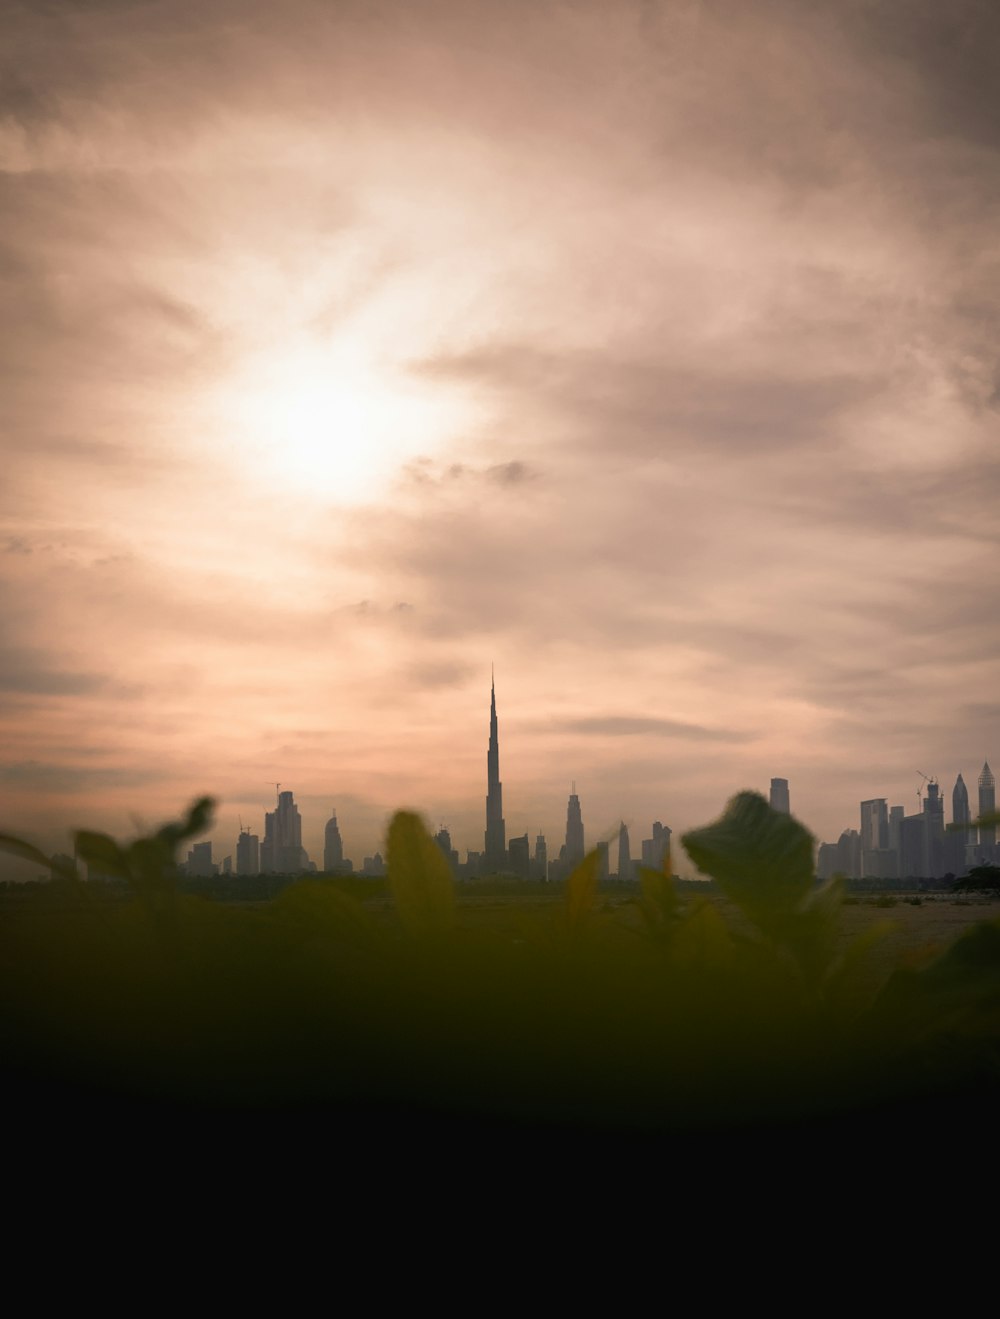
x,y
322,421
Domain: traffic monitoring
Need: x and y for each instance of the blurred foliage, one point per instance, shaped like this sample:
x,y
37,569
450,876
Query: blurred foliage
x,y
670,1011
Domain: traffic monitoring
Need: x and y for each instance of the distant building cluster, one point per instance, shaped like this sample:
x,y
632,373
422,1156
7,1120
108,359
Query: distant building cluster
x,y
500,857
281,851
893,845
888,845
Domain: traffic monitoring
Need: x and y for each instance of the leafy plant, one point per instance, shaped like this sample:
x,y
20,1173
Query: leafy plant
x,y
675,1011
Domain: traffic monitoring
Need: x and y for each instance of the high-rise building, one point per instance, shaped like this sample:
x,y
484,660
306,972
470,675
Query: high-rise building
x,y
495,851
540,865
624,854
574,849
874,824
282,851
875,837
519,856
827,860
199,861
896,816
655,849
987,804
603,864
958,840
443,840
247,853
849,854
960,813
915,851
934,813
333,847
779,796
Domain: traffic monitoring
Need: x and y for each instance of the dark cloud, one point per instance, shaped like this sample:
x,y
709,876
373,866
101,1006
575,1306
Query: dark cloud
x,y
638,726
425,472
438,674
73,777
29,672
952,54
512,473
651,405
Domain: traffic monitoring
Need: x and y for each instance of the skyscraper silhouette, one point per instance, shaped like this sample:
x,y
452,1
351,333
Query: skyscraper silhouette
x,y
956,843
333,850
934,815
624,854
495,854
574,848
960,813
282,849
987,802
779,796
247,853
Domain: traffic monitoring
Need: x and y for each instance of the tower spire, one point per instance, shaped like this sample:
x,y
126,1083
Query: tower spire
x,y
496,834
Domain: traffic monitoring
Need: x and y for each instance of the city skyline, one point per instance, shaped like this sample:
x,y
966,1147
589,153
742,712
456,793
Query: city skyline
x,y
889,843
646,350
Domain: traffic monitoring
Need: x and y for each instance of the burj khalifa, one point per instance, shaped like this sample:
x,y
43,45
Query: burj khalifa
x,y
496,831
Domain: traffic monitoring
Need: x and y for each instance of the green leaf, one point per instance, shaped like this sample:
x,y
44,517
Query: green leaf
x,y
320,910
419,875
102,853
658,896
761,858
150,862
26,851
959,992
199,818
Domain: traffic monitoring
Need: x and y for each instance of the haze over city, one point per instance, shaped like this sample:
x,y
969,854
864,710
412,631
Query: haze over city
x,y
646,351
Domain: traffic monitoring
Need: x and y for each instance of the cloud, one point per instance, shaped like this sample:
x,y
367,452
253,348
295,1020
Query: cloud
x,y
69,778
640,726
27,672
713,286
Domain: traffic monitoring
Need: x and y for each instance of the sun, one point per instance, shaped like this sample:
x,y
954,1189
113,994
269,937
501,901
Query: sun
x,y
331,424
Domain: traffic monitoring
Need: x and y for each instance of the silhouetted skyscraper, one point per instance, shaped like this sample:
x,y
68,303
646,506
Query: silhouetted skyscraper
x,y
520,856
779,796
540,868
956,843
495,854
655,849
282,849
333,848
247,854
878,858
603,865
987,803
934,813
960,813
574,849
624,854
199,861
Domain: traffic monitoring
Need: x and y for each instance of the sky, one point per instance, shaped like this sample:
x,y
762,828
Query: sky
x,y
644,351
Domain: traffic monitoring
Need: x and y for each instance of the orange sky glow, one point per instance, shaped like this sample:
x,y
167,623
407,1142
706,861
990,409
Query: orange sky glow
x,y
644,350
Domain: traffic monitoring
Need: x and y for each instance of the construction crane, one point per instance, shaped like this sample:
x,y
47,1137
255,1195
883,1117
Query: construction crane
x,y
927,778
